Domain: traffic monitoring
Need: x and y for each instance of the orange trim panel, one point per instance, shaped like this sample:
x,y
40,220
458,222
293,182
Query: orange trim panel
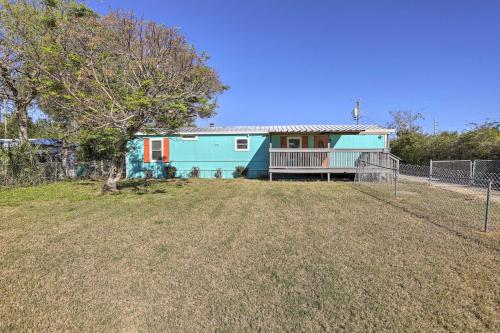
x,y
166,150
283,143
147,151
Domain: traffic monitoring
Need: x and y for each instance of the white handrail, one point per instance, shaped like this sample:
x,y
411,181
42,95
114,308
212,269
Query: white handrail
x,y
328,158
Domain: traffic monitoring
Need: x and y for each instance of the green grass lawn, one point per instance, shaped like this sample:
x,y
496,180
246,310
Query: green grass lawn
x,y
238,256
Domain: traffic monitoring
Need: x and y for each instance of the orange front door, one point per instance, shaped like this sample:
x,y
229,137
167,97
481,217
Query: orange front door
x,y
321,141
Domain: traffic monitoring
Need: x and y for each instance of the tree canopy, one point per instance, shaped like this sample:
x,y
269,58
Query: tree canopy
x,y
481,142
115,73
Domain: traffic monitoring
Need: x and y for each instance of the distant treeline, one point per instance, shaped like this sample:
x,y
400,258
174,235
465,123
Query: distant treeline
x,y
415,147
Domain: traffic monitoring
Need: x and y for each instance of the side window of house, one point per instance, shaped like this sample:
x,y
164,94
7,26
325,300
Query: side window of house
x,y
188,137
241,144
156,150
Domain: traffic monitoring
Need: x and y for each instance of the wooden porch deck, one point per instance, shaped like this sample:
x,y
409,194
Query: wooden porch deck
x,y
328,160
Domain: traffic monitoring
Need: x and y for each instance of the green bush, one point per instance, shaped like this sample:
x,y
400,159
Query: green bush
x,y
170,171
195,172
20,165
218,173
240,171
99,145
482,142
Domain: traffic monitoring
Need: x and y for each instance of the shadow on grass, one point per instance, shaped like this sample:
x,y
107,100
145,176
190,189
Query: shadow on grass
x,y
148,186
428,219
88,182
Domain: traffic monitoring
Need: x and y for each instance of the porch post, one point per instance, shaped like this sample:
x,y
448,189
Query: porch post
x,y
328,155
270,158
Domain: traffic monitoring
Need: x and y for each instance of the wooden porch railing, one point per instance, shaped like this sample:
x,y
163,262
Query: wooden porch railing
x,y
329,158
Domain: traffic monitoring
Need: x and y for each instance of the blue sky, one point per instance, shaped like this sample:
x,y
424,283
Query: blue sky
x,y
306,62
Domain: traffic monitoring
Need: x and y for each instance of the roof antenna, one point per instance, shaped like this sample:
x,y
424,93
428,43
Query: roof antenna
x,y
356,112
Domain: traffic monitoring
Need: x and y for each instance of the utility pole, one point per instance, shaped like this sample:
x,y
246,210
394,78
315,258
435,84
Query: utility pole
x,y
434,131
4,118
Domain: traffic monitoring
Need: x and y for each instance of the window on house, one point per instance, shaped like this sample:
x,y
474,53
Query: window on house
x,y
156,150
294,142
189,137
241,144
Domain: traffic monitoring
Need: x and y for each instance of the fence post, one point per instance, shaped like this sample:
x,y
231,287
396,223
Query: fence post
x,y
472,165
487,212
55,175
430,171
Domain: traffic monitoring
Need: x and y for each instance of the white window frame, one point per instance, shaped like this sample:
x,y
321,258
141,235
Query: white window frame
x,y
188,137
151,150
293,137
241,138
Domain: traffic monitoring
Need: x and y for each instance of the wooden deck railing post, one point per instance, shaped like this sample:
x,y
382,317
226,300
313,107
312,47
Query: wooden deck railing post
x,y
328,157
271,156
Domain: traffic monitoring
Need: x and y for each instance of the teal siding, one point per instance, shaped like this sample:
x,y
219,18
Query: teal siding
x,y
310,141
344,141
357,141
353,141
275,140
208,152
344,159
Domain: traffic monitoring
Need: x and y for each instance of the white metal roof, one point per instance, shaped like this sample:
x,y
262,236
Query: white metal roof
x,y
280,129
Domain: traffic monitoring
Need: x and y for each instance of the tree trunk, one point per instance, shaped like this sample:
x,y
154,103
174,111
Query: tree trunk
x,y
4,110
22,117
115,174
65,157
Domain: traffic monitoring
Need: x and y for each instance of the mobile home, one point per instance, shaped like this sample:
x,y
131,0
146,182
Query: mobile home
x,y
261,150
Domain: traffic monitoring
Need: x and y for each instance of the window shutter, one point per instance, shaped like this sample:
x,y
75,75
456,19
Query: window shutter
x,y
166,150
283,142
147,151
304,141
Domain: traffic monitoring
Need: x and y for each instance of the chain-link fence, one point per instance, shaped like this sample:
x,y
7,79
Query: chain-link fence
x,y
465,170
446,193
37,173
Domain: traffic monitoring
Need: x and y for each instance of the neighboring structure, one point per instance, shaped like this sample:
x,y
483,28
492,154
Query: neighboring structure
x,y
262,150
51,149
45,143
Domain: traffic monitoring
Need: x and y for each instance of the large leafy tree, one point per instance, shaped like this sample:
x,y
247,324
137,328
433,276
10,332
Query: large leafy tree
x,y
127,74
18,78
405,122
38,128
23,25
25,28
